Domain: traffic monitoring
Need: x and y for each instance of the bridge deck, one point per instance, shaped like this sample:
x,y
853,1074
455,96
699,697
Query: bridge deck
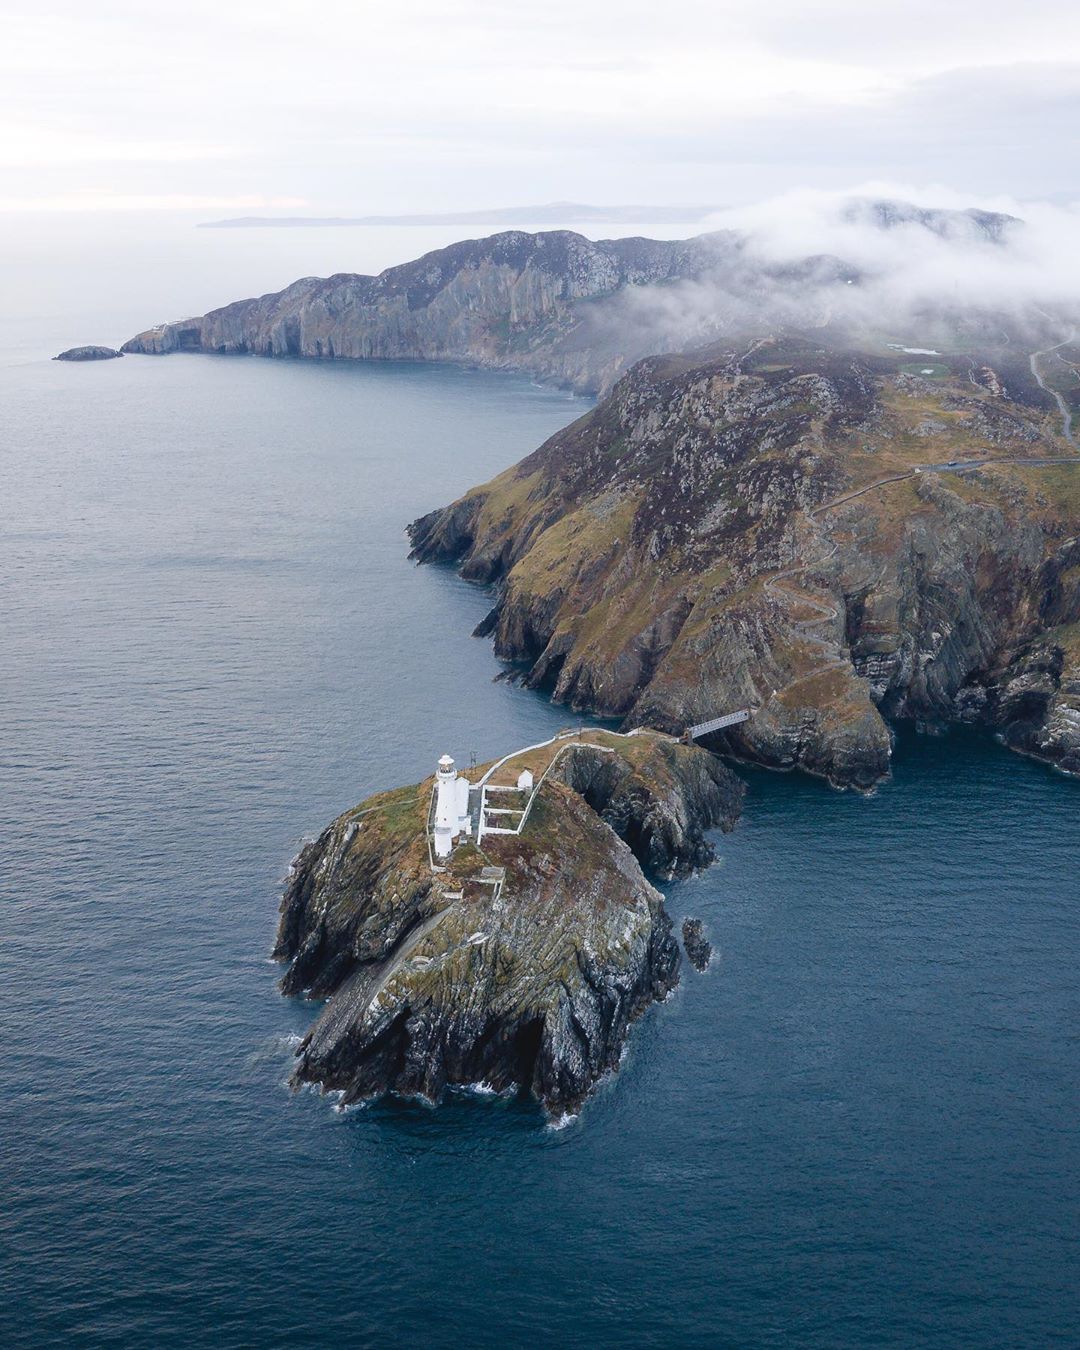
x,y
718,723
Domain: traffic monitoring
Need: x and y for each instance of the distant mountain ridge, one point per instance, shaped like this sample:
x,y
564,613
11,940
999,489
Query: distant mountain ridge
x,y
550,213
886,214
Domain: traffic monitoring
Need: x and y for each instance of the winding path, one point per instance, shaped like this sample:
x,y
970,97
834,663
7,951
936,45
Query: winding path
x,y
1059,399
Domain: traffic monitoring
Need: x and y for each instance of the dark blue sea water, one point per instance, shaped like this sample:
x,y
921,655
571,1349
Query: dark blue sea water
x,y
857,1129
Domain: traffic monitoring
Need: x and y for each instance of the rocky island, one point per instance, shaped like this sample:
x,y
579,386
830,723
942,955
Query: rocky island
x,y
520,959
829,535
90,353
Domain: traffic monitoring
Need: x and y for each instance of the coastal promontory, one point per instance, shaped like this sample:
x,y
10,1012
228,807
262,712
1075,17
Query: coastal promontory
x,y
561,307
832,535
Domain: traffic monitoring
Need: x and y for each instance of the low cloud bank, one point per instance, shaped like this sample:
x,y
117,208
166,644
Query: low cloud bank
x,y
964,261
883,260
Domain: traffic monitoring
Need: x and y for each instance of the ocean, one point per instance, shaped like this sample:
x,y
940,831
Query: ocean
x,y
856,1129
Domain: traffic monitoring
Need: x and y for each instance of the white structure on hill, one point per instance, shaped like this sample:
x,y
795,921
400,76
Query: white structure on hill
x,y
451,807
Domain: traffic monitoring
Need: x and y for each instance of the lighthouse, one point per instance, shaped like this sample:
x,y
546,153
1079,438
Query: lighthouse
x,y
451,806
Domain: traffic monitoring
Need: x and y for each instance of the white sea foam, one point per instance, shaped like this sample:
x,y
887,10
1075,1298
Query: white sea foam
x,y
561,1122
486,1089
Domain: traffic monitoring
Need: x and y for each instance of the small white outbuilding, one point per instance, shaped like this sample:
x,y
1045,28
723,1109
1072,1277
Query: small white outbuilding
x,y
525,781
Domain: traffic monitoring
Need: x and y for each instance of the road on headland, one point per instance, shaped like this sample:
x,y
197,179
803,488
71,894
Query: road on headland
x,y
1059,399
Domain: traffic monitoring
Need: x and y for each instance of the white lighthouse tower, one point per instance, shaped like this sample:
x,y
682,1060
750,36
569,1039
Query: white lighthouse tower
x,y
451,806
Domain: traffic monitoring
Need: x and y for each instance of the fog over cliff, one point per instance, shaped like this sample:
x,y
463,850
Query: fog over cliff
x,y
884,257
910,258
902,263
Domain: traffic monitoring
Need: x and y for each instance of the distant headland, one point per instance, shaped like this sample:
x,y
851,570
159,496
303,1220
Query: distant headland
x,y
550,213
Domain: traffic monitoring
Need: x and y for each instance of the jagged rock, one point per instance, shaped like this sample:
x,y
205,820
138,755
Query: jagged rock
x,y
437,978
660,806
696,945
716,535
88,354
1033,697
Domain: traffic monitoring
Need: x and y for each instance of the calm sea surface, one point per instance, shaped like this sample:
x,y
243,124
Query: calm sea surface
x,y
859,1128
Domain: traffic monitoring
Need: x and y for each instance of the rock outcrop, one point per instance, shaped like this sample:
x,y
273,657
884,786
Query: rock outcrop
x,y
88,354
523,961
658,797
697,946
785,528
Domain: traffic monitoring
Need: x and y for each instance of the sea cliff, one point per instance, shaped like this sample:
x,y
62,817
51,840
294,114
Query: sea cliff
x,y
562,307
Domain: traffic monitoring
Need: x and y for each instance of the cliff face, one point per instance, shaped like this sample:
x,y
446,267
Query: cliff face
x,y
459,976
556,304
785,529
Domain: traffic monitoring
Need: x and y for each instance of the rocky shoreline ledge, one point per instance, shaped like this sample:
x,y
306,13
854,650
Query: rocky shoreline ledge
x,y
520,961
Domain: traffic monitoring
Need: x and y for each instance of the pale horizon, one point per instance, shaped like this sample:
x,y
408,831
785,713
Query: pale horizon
x,y
464,106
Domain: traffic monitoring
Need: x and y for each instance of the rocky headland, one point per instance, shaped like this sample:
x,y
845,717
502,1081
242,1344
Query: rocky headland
x,y
518,962
555,304
560,306
828,535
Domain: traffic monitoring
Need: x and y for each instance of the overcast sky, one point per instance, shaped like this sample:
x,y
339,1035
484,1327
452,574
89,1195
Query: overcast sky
x,y
336,107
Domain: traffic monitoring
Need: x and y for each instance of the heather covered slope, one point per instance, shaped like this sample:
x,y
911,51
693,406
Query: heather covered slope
x,y
784,527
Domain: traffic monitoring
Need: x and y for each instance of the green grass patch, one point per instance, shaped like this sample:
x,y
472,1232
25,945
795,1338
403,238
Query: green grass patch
x,y
927,370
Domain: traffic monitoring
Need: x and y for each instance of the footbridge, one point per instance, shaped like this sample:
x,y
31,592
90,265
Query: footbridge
x,y
716,724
